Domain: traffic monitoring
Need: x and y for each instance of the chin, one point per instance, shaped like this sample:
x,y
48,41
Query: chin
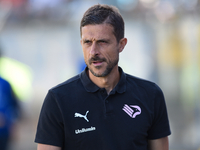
x,y
96,73
100,74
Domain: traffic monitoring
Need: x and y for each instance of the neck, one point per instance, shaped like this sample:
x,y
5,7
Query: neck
x,y
108,82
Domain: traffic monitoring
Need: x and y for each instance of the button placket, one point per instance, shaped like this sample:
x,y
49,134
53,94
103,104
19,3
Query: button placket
x,y
107,104
102,92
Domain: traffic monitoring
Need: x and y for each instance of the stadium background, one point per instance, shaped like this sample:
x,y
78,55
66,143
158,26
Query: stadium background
x,y
40,42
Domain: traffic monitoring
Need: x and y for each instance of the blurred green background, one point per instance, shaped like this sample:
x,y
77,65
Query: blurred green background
x,y
40,41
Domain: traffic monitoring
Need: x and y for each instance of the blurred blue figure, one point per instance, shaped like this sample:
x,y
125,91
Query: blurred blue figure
x,y
9,111
81,65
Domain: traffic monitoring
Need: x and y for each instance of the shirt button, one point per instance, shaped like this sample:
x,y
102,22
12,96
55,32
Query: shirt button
x,y
102,92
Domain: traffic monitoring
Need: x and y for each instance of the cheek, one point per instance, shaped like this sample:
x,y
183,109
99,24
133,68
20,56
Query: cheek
x,y
85,55
112,55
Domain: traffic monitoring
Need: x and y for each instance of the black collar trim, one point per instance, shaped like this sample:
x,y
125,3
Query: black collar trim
x,y
91,87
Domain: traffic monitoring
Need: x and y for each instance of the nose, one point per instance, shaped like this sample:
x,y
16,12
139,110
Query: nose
x,y
94,49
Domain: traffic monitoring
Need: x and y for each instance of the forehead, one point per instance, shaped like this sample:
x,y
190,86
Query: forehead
x,y
97,31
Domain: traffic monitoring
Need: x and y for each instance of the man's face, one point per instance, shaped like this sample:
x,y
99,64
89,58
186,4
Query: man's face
x,y
100,49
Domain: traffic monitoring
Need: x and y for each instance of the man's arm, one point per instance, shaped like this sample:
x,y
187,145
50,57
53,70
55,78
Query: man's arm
x,y
159,144
47,147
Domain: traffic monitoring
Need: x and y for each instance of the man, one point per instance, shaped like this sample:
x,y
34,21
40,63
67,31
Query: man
x,y
9,111
103,108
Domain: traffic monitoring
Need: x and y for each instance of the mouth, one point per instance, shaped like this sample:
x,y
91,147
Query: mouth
x,y
96,62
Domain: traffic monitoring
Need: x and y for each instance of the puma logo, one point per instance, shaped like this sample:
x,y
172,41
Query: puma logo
x,y
82,116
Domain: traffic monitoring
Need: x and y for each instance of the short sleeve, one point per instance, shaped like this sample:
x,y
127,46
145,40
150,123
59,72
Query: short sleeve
x,y
50,128
160,125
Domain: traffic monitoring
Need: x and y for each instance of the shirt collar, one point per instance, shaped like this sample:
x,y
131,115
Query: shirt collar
x,y
121,86
87,83
91,87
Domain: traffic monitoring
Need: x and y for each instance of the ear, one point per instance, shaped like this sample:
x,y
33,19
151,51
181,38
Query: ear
x,y
81,42
122,44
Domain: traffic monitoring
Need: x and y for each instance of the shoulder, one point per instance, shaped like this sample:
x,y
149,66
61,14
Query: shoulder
x,y
68,85
4,83
139,81
144,84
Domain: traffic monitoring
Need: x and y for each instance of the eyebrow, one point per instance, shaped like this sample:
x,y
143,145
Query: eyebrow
x,y
106,40
86,40
99,40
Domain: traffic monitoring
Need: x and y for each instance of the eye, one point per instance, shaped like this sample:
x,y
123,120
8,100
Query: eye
x,y
87,41
102,41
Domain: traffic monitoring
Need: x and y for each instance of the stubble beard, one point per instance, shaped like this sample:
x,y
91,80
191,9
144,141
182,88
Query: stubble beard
x,y
108,69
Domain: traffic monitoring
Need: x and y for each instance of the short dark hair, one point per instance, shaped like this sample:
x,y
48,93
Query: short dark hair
x,y
99,14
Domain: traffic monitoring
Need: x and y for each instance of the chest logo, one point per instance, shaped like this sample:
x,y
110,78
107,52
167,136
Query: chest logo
x,y
132,110
82,116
